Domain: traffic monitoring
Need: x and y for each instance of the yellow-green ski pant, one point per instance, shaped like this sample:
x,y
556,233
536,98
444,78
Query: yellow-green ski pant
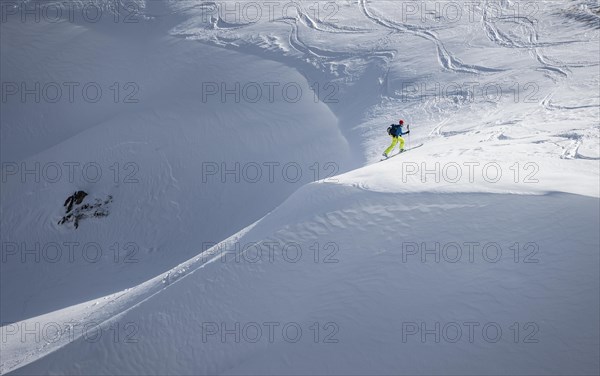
x,y
394,142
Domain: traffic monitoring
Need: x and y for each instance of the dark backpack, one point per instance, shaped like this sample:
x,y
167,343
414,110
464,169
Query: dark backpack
x,y
394,130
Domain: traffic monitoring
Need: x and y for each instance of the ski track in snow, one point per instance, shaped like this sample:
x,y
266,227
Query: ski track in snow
x,y
328,27
446,59
325,56
556,70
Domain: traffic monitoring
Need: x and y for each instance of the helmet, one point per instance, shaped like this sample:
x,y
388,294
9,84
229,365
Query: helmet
x,y
401,122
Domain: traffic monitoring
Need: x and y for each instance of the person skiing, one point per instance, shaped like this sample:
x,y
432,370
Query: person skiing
x,y
395,131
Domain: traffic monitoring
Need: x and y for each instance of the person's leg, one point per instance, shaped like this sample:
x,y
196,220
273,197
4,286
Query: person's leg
x,y
389,149
401,143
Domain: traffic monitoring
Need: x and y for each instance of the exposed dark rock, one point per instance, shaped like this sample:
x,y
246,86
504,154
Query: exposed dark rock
x,y
75,212
76,198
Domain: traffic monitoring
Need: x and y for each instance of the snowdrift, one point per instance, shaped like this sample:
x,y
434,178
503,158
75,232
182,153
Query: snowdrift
x,y
354,281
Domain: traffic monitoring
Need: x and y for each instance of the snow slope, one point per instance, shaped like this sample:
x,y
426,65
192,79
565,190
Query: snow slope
x,y
378,285
155,157
511,182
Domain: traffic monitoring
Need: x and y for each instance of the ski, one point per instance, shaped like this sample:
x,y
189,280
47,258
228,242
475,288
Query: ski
x,y
402,152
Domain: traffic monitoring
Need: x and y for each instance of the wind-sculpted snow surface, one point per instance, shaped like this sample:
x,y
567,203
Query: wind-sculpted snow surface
x,y
352,281
252,228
